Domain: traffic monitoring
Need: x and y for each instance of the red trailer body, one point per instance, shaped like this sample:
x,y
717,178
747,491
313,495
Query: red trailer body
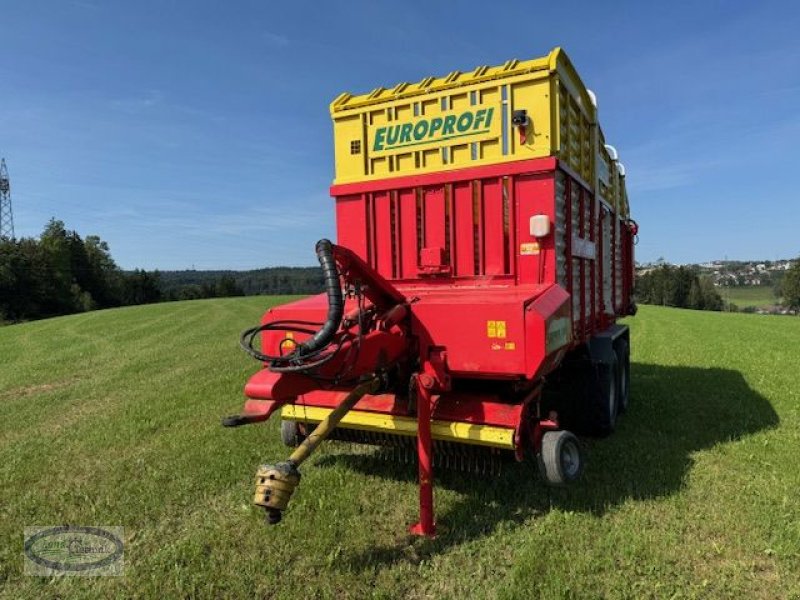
x,y
500,271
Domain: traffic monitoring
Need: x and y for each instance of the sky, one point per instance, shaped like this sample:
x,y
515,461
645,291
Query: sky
x,y
196,134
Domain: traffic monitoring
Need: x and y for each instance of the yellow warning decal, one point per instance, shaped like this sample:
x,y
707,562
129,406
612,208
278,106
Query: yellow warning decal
x,y
496,329
510,346
529,248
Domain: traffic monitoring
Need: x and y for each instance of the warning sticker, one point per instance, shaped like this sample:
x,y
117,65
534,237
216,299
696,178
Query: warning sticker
x,y
496,329
529,248
501,329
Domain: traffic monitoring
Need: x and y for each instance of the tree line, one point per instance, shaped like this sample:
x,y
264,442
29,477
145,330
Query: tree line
x,y
684,287
681,287
61,273
188,285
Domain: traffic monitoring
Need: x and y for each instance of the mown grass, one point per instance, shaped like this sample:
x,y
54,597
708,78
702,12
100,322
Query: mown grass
x,y
744,296
112,418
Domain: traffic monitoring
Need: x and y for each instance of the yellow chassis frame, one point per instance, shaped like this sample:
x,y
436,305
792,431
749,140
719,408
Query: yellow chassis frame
x,y
452,431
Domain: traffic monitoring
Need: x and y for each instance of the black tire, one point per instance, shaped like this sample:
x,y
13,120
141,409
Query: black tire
x,y
606,398
624,380
290,434
561,458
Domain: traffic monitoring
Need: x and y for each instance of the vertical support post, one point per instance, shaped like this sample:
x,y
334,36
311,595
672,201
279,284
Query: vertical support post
x,y
426,525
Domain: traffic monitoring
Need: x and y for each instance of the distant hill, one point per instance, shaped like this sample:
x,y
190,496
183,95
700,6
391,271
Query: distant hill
x,y
269,281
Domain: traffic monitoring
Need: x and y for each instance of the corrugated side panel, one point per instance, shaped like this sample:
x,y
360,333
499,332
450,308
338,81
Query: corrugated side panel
x,y
561,230
352,224
619,266
625,209
469,226
576,262
575,135
588,206
608,260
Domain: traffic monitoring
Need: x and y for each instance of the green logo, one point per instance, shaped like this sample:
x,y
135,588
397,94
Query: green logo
x,y
437,129
74,550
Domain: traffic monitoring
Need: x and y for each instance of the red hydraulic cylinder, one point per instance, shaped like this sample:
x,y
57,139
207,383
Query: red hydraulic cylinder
x,y
426,525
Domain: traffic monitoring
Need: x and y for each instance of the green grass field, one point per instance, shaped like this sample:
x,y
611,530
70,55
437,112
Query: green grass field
x,y
749,296
112,418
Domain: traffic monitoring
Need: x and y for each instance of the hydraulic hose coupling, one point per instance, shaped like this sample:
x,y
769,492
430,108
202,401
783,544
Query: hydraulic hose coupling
x,y
274,487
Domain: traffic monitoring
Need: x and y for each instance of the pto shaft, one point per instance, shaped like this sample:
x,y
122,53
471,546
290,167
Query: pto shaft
x,y
276,483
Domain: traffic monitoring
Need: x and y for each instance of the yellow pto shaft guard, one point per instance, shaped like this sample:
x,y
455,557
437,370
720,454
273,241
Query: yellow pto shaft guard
x,y
276,483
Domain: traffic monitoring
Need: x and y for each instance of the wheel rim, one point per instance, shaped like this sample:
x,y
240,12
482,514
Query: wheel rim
x,y
612,398
623,382
570,459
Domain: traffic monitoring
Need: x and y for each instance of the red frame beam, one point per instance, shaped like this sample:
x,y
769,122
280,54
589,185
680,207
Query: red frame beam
x,y
440,178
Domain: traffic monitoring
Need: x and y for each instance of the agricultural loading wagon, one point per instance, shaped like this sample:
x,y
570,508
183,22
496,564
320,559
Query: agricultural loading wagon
x,y
484,253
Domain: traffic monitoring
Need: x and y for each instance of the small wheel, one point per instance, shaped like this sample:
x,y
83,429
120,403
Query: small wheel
x,y
624,368
561,459
290,434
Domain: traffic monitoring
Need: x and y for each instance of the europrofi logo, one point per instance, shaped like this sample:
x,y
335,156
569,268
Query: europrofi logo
x,y
437,129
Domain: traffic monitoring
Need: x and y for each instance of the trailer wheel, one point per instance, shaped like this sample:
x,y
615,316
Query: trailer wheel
x,y
624,367
606,402
290,434
561,458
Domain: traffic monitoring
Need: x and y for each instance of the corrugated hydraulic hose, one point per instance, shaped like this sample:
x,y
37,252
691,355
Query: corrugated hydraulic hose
x,y
335,301
310,354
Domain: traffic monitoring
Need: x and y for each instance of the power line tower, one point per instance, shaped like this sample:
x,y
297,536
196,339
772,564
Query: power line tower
x,y
6,214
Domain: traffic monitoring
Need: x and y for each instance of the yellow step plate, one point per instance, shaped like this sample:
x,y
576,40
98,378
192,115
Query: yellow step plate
x,y
452,431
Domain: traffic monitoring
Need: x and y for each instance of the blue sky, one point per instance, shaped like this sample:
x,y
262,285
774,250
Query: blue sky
x,y
197,133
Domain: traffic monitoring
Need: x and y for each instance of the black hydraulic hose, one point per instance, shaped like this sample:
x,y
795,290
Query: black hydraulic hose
x,y
335,301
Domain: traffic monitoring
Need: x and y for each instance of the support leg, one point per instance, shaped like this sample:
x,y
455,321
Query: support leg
x,y
426,525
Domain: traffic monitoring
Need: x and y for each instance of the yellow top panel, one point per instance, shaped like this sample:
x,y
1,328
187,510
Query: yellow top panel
x,y
465,119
